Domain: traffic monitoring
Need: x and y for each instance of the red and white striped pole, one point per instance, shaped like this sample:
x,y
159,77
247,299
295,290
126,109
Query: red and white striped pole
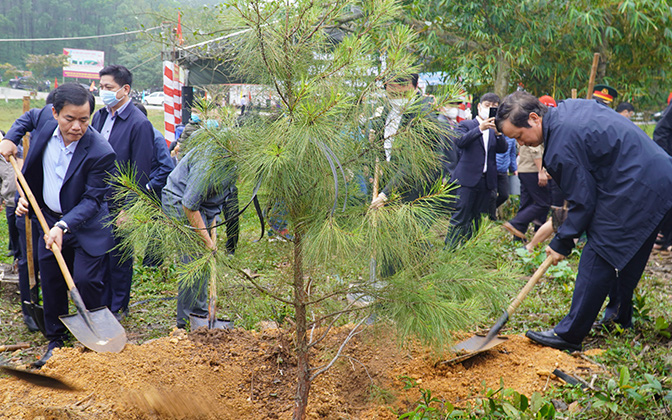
x,y
172,103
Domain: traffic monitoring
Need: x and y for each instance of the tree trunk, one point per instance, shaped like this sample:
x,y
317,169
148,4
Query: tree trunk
x,y
502,76
303,362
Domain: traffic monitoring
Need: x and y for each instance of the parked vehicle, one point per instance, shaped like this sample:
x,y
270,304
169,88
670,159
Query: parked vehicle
x,y
28,83
155,98
94,92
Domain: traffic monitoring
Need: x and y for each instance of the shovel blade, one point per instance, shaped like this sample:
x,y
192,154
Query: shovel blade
x,y
198,321
103,334
473,346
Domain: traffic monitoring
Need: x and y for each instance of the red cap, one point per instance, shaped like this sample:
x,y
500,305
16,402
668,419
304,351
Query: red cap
x,y
669,98
548,101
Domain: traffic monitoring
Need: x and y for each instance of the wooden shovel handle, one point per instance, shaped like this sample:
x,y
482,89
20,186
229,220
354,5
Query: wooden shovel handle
x,y
212,286
29,244
530,284
33,202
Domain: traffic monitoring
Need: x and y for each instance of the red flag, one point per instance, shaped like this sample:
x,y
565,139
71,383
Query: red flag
x,y
179,28
55,82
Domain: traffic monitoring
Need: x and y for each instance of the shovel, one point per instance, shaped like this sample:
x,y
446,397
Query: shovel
x,y
211,321
97,329
478,343
33,307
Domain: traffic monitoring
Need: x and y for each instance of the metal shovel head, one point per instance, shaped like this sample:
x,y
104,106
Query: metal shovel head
x,y
471,347
198,321
103,334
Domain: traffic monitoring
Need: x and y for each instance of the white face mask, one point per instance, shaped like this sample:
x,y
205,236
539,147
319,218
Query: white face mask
x,y
483,112
451,113
399,103
109,97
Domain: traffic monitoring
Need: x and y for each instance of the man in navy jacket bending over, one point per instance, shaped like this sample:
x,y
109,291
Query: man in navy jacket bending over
x,y
617,182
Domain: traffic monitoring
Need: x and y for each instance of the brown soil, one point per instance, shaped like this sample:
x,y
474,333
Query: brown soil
x,y
220,374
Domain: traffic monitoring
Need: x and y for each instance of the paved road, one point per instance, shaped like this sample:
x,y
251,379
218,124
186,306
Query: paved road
x,y
9,93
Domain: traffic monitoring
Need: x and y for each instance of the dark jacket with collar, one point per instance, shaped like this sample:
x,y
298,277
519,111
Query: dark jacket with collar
x,y
616,180
84,187
662,135
469,169
162,164
132,138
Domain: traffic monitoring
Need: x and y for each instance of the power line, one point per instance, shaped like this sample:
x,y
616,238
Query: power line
x,y
78,37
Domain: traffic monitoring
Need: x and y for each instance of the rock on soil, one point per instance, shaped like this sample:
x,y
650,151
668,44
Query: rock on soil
x,y
237,374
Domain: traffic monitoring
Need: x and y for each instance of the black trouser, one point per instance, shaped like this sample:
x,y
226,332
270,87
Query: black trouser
x,y
87,271
13,232
502,188
24,281
501,195
535,201
595,280
472,203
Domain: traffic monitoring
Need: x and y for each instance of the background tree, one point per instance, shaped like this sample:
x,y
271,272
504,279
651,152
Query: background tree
x,y
548,45
9,71
46,66
327,70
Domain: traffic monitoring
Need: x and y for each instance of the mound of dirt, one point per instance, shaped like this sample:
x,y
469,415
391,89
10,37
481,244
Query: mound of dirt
x,y
237,374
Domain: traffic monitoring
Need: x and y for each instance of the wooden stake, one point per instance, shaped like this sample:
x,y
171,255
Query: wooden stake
x,y
593,72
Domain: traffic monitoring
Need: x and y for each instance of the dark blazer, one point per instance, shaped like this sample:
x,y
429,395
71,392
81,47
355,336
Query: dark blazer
x,y
469,168
662,135
617,181
28,122
162,164
132,138
84,186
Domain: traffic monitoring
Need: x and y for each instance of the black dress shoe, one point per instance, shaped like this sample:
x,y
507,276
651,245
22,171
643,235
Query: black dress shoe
x,y
551,339
50,350
30,323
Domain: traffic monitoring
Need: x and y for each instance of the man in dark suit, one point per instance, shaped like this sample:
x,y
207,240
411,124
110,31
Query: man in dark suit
x,y
26,123
66,169
132,137
617,183
476,171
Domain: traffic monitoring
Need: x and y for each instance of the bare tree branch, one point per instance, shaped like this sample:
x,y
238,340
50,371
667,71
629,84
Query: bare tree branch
x,y
321,370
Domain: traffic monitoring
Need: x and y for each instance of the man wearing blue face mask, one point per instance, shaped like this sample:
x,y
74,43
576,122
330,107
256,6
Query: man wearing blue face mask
x,y
131,135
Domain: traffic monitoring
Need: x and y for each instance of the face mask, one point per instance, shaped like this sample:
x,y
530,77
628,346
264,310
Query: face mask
x,y
483,112
109,98
451,113
399,103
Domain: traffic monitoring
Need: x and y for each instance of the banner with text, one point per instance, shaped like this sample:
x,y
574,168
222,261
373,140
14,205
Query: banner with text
x,y
83,64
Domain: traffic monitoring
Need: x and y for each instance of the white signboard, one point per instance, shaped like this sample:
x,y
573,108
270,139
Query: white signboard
x,y
83,64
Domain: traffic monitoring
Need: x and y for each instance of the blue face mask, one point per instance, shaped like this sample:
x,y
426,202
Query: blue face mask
x,y
109,97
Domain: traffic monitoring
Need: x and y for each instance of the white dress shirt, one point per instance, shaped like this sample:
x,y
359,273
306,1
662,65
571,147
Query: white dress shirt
x,y
55,162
